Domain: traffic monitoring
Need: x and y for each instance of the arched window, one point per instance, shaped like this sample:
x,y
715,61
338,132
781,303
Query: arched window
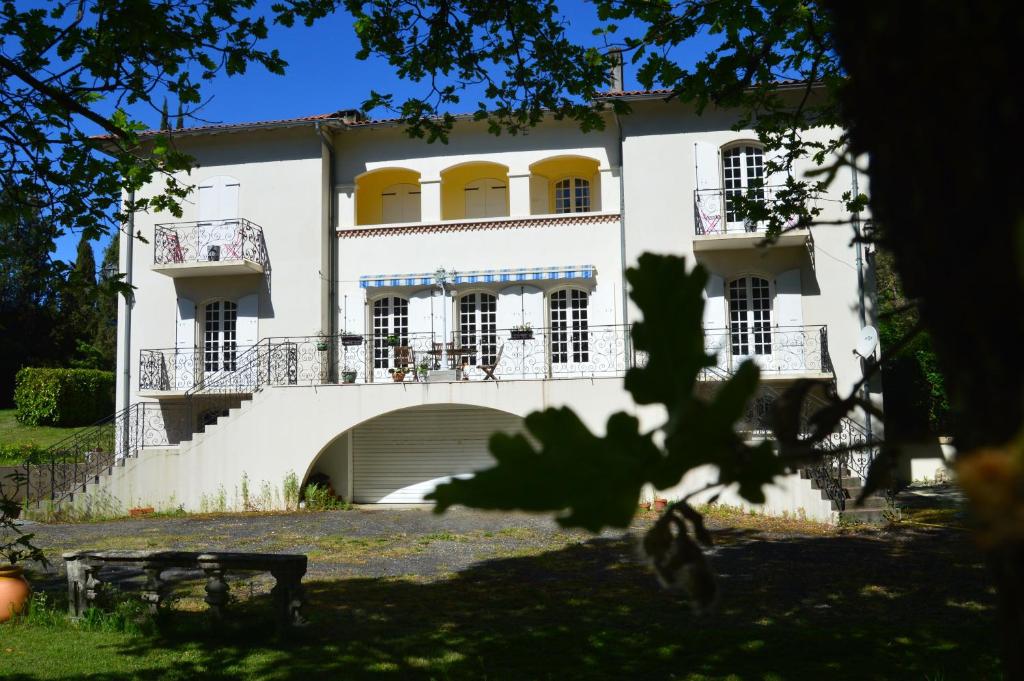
x,y
390,328
400,203
570,341
742,175
220,320
478,327
572,195
750,317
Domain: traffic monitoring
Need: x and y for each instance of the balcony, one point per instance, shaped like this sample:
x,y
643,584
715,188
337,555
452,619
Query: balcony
x,y
167,372
718,227
209,248
782,353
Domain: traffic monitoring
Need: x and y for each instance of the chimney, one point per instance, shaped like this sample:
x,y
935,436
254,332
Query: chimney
x,y
615,70
350,116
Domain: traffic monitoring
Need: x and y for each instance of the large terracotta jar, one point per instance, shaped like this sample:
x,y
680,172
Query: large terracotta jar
x,y
14,591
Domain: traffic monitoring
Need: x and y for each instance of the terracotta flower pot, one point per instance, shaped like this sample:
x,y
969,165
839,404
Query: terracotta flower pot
x,y
14,591
398,376
660,504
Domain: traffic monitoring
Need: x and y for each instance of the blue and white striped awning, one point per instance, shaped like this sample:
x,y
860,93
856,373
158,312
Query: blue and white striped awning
x,y
481,276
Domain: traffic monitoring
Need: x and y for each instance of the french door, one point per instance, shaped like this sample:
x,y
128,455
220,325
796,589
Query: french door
x,y
743,176
220,322
478,327
390,328
570,342
750,319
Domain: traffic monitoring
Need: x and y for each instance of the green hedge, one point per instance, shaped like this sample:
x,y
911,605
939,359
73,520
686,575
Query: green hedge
x,y
63,397
19,453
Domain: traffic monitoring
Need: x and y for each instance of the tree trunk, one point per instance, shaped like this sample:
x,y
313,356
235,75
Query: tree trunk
x,y
932,98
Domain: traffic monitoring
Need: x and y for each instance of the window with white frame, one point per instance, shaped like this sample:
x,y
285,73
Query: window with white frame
x,y
750,317
478,327
390,321
572,195
220,321
743,176
570,341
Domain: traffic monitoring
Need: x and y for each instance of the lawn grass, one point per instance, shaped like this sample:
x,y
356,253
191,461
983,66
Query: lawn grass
x,y
12,432
898,603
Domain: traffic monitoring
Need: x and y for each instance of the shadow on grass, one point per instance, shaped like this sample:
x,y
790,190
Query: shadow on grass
x,y
909,606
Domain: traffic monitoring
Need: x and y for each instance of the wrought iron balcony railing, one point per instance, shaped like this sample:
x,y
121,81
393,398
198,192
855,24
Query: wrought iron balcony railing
x,y
716,211
169,369
775,349
210,241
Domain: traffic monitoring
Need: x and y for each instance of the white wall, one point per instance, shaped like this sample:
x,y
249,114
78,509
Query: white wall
x,y
580,244
282,191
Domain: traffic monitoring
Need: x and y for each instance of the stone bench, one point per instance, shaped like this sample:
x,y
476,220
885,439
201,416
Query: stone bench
x,y
85,583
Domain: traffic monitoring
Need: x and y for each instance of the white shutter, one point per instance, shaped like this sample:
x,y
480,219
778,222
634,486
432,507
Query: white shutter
x,y
539,195
209,204
400,203
709,203
185,335
708,163
495,199
186,358
421,319
716,331
475,205
229,199
247,322
402,456
788,299
776,179
390,207
790,336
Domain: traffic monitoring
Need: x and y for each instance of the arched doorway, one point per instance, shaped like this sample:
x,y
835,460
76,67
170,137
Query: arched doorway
x,y
401,456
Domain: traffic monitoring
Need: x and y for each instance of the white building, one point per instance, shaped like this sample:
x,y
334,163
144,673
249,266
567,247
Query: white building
x,y
267,322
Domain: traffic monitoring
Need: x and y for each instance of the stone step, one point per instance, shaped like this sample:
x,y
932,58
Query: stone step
x,y
868,516
845,472
870,503
851,483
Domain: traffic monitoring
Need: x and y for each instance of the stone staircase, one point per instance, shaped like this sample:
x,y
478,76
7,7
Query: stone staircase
x,y
873,509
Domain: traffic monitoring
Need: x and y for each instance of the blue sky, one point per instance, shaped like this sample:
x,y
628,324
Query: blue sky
x,y
323,76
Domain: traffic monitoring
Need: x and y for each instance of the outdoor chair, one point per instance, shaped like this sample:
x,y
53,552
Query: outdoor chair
x,y
235,249
488,369
405,359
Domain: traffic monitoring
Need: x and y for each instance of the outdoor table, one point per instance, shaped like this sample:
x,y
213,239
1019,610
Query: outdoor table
x,y
452,353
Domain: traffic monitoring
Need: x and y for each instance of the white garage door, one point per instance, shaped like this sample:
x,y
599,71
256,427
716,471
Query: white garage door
x,y
399,458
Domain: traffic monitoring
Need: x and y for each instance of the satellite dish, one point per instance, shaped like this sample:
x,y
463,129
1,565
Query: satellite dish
x,y
867,342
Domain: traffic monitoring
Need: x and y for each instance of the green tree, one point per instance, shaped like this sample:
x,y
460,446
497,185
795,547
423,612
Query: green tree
x,y
28,300
72,68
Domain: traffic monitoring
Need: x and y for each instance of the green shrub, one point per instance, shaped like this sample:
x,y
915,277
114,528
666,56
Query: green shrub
x,y
63,397
21,452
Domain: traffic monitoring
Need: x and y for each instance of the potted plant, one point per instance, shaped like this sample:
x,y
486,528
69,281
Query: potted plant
x,y
348,375
397,374
349,338
522,332
423,368
15,546
392,340
322,341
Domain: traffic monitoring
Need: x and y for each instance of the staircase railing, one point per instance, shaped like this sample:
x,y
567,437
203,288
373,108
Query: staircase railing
x,y
848,450
67,466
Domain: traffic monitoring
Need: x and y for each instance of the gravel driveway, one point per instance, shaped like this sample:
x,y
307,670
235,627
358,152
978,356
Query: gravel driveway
x,y
364,542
